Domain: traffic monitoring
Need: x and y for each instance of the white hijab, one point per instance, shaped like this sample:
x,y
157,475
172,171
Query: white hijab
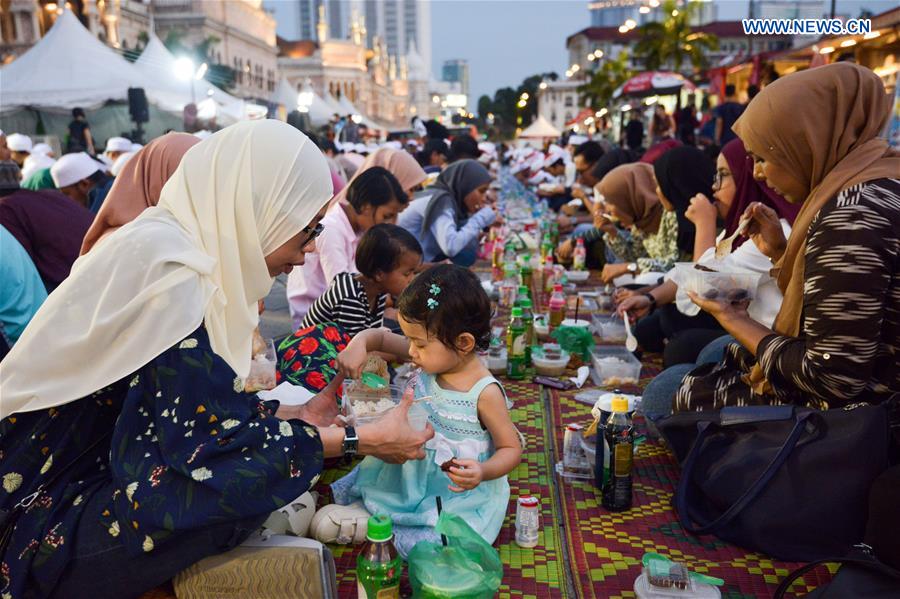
x,y
197,257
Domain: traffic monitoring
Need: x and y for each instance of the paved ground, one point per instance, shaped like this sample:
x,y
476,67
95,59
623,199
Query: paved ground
x,y
276,320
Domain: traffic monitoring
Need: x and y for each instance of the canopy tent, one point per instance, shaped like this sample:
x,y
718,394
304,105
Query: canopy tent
x,y
347,107
541,127
285,94
653,83
333,105
67,68
157,67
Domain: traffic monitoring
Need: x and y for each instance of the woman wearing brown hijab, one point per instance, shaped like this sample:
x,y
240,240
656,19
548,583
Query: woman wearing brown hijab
x,y
814,137
630,198
138,185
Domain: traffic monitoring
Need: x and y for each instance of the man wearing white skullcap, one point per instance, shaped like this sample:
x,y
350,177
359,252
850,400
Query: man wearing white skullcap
x,y
37,160
115,147
80,177
20,147
120,163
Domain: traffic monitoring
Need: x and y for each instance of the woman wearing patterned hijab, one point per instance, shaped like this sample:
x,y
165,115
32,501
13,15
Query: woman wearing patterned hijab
x,y
835,338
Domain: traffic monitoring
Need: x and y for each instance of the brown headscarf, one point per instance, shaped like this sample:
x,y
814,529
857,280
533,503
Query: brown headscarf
x,y
138,185
631,188
830,142
401,164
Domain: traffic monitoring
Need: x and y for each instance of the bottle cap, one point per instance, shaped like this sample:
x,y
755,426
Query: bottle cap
x,y
525,303
557,287
619,404
517,312
528,501
523,289
380,528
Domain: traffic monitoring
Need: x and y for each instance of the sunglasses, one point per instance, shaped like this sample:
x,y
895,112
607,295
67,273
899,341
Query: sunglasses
x,y
312,233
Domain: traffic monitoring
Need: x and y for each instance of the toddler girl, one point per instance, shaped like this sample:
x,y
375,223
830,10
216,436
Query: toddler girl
x,y
446,318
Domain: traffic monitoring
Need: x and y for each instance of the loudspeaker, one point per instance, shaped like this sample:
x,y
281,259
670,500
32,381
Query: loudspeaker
x,y
137,105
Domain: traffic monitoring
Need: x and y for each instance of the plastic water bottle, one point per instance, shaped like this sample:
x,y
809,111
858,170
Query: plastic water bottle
x,y
516,341
579,255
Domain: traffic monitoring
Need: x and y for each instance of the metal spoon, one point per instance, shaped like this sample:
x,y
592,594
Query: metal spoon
x,y
630,340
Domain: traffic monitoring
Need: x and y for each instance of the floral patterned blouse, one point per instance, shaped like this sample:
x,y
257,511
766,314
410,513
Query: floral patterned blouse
x,y
188,449
653,253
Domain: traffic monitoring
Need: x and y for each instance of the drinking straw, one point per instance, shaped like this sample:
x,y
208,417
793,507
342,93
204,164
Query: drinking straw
x,y
577,306
440,508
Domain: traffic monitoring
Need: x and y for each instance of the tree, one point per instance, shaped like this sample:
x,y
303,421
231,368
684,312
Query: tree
x,y
598,91
133,54
485,107
673,42
220,75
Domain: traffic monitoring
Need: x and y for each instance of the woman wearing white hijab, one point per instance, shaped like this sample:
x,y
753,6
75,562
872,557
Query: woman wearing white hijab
x,y
125,428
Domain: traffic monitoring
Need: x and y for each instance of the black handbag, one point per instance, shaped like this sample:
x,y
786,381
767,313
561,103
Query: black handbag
x,y
786,481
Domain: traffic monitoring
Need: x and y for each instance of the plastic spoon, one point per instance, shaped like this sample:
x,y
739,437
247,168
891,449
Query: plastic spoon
x,y
630,341
724,245
373,380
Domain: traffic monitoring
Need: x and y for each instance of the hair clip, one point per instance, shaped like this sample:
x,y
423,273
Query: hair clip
x,y
435,290
431,303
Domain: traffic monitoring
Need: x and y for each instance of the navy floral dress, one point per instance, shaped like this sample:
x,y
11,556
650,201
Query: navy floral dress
x,y
188,449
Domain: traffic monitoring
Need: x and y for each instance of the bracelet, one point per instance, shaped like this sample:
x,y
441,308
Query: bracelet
x,y
652,299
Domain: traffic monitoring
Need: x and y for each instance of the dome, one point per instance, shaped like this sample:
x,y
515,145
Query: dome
x,y
418,70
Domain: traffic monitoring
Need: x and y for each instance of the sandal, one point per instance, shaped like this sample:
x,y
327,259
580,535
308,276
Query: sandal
x,y
341,524
293,518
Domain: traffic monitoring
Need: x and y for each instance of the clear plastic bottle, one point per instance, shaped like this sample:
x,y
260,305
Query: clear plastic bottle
x,y
557,306
379,566
546,246
525,271
579,255
549,274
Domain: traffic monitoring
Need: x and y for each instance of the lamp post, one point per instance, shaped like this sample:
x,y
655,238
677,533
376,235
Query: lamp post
x,y
304,101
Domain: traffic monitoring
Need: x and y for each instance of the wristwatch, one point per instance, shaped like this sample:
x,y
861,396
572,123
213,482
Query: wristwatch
x,y
632,267
652,299
350,444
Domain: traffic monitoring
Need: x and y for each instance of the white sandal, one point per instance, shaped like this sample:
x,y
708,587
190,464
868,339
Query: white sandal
x,y
293,518
341,524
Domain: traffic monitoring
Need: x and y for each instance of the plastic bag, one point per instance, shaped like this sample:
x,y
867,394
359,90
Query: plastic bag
x,y
578,341
467,568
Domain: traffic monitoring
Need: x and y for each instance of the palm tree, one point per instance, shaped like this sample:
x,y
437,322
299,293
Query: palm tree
x,y
672,41
598,91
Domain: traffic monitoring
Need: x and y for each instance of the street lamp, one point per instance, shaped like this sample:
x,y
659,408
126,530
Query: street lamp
x,y
305,97
185,70
543,85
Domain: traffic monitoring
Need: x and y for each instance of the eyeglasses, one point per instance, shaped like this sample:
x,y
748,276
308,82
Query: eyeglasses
x,y
313,233
720,177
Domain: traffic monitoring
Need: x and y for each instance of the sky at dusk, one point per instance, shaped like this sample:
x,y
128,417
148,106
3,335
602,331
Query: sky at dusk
x,y
505,41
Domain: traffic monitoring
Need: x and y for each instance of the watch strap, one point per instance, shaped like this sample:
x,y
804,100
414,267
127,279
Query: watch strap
x,y
350,444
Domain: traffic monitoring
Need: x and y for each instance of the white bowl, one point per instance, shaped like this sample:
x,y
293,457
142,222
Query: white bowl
x,y
578,276
571,322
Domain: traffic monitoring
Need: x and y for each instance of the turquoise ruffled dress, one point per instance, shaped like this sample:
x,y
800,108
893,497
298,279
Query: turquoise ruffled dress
x,y
407,491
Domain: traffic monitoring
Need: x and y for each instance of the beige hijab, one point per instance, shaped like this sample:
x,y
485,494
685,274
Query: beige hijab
x,y
198,257
631,188
823,125
400,164
139,184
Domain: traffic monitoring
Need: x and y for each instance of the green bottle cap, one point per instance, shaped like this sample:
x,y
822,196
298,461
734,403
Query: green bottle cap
x,y
517,312
525,303
380,528
523,290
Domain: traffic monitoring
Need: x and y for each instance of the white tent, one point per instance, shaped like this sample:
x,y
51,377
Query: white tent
x,y
347,106
333,105
67,68
157,67
285,94
541,127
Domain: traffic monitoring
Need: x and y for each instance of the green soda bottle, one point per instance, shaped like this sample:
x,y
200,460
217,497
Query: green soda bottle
x,y
379,566
528,320
546,246
516,342
525,271
523,294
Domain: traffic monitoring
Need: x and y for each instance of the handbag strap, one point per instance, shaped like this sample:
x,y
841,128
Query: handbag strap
x,y
26,501
869,564
681,494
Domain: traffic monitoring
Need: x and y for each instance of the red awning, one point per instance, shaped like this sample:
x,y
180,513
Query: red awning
x,y
653,83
